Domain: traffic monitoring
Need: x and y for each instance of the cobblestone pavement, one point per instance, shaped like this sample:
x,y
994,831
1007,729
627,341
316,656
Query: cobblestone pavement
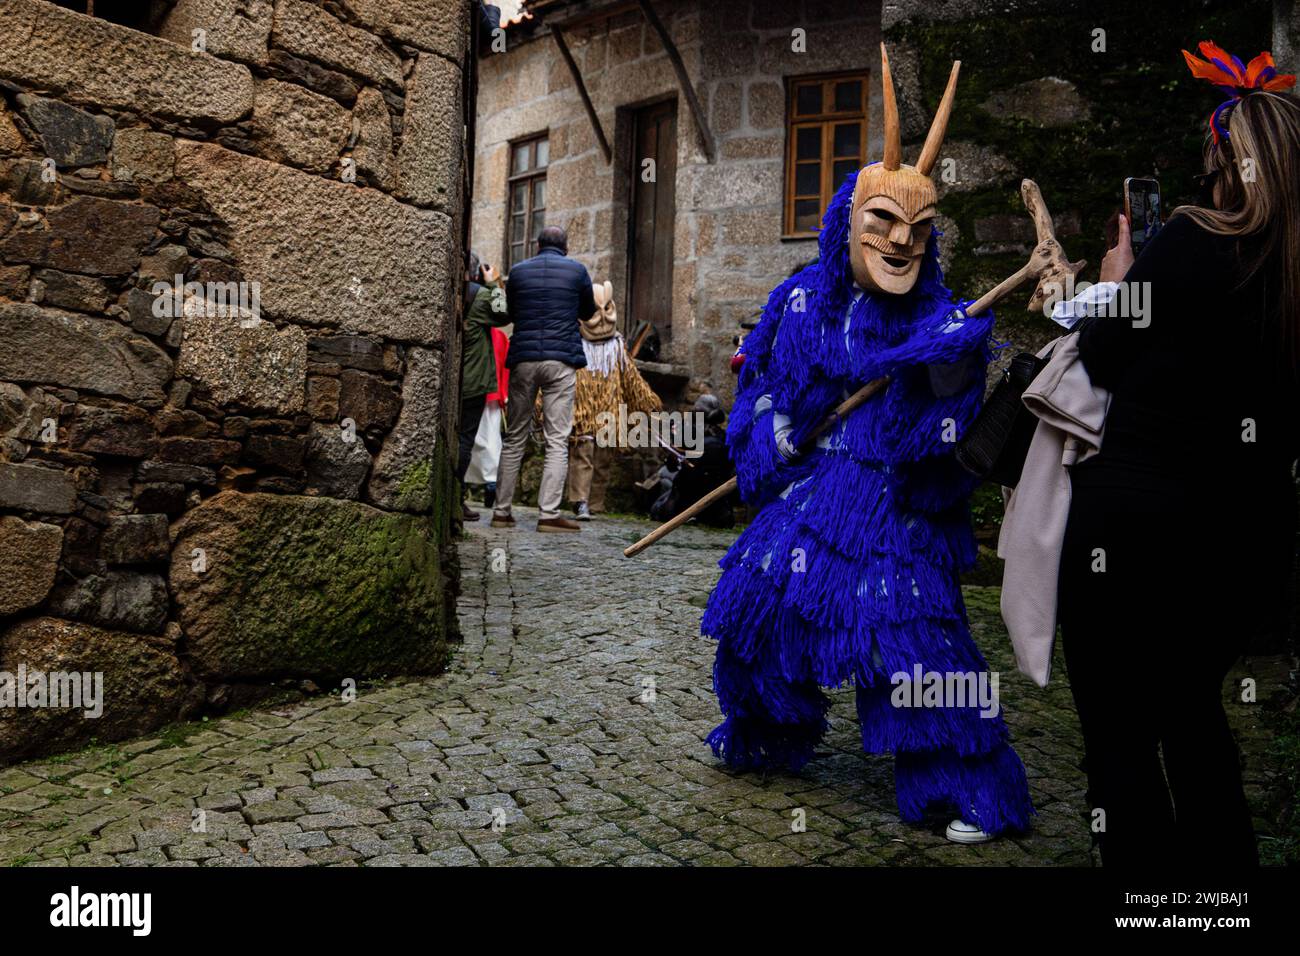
x,y
542,745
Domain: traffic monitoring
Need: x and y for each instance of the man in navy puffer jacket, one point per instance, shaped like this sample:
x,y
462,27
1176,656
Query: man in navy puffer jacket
x,y
548,296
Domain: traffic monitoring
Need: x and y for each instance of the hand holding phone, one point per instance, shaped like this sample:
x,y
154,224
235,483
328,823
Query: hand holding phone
x,y
1119,257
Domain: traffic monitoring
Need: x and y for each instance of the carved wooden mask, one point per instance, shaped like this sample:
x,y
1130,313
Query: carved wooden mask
x,y
894,204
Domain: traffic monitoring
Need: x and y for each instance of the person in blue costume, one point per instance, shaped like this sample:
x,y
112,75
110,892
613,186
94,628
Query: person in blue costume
x,y
849,572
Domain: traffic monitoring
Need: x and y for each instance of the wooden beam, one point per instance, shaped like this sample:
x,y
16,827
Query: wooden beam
x,y
683,81
582,91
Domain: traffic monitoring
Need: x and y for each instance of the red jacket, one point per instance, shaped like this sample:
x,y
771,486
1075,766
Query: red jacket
x,y
500,345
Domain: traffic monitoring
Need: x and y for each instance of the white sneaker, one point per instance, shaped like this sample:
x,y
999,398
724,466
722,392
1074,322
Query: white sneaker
x,y
959,831
582,512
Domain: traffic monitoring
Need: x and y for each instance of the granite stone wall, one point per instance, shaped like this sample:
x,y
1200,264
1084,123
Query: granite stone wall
x,y
228,357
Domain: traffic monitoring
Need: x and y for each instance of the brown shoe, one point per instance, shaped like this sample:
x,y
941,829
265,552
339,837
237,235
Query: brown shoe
x,y
467,513
506,522
558,524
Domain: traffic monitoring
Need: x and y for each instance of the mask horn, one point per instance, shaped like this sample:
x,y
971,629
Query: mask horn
x,y
893,157
939,128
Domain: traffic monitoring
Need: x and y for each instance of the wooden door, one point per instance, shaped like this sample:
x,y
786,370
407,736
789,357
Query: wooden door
x,y
653,209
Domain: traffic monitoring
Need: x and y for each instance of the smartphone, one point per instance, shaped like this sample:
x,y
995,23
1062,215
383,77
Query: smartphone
x,y
1142,208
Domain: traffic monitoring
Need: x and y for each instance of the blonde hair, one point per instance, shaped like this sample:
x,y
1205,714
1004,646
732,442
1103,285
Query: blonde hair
x,y
1258,172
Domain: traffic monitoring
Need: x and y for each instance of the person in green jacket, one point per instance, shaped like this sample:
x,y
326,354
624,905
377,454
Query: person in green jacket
x,y
485,299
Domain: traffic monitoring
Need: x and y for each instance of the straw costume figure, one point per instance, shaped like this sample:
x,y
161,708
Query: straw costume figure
x,y
610,379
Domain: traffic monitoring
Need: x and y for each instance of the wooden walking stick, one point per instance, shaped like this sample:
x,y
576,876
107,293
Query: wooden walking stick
x,y
727,487
1047,263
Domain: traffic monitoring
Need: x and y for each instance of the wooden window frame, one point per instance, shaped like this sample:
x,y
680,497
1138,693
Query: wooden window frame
x,y
529,178
827,121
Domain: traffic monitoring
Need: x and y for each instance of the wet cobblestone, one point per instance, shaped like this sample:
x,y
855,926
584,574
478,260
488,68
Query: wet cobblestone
x,y
568,730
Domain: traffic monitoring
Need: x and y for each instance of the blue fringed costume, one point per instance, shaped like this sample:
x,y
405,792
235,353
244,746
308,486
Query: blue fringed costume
x,y
850,570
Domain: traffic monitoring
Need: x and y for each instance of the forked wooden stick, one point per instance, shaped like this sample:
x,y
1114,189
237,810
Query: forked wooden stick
x,y
1047,263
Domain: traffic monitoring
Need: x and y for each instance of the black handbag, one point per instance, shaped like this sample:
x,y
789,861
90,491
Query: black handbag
x,y
994,448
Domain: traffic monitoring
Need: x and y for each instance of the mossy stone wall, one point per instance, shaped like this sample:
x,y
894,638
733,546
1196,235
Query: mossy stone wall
x,y
1131,109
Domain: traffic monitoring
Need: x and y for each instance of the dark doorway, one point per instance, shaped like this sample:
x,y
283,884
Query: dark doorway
x,y
650,227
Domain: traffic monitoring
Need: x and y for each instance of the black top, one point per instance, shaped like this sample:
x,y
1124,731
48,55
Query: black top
x,y
1191,386
1186,393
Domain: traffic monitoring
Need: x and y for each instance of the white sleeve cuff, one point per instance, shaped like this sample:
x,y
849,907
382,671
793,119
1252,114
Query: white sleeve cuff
x,y
781,428
1092,301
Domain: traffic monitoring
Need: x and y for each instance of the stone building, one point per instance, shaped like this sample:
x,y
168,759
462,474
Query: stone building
x,y
228,359
696,181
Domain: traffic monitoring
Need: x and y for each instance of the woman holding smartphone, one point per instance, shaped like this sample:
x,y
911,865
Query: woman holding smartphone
x,y
1181,531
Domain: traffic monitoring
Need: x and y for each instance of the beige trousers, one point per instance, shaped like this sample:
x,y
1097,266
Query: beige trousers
x,y
556,381
588,472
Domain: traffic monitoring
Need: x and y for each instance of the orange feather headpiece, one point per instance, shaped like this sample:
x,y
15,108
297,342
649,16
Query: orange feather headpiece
x,y
1235,78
